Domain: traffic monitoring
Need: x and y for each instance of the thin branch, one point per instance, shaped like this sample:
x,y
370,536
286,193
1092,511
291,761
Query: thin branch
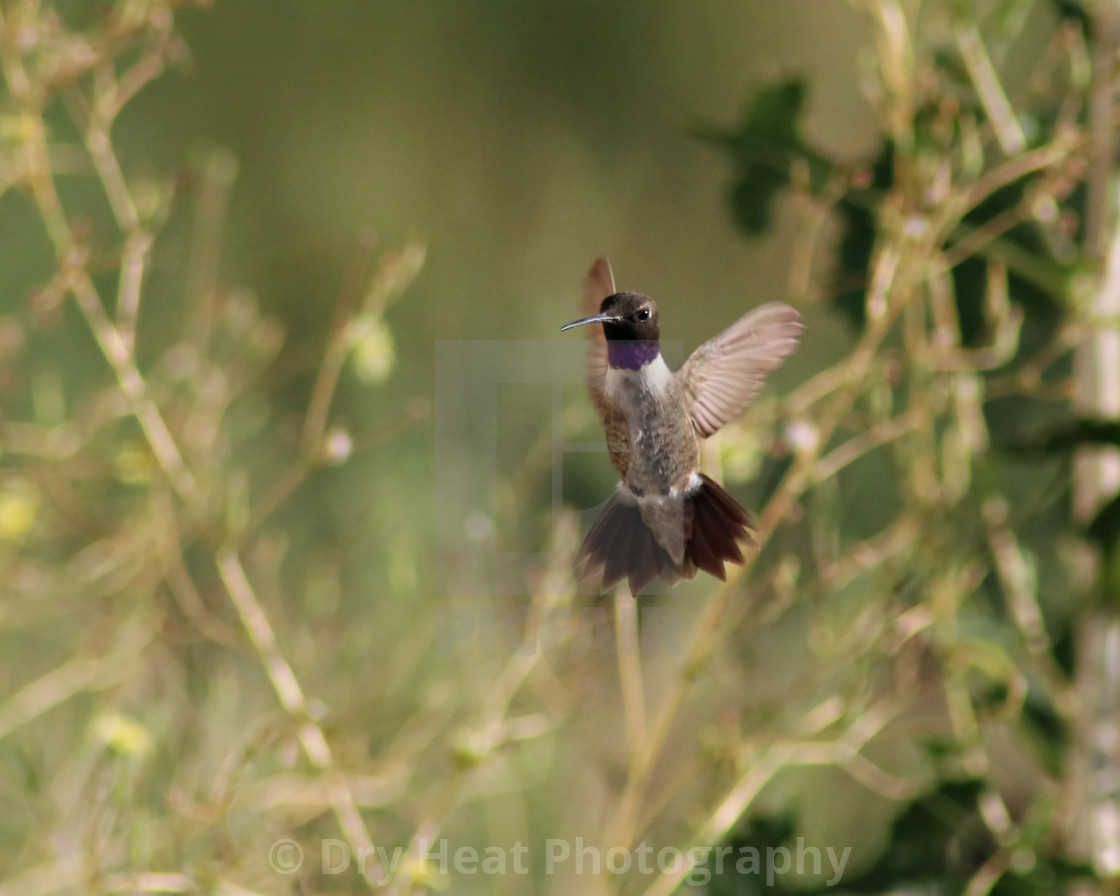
x,y
763,765
854,448
117,352
986,876
1015,577
489,732
109,170
291,697
621,830
1057,153
76,676
630,671
988,87
217,172
114,348
133,261
334,357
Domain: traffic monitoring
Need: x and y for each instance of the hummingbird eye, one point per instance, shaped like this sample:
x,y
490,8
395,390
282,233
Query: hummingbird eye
x,y
643,314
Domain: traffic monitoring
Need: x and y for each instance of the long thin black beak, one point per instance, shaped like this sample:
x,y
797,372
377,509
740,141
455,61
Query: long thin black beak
x,y
594,319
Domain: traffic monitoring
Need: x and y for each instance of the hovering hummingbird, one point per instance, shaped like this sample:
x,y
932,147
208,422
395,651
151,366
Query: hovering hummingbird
x,y
666,517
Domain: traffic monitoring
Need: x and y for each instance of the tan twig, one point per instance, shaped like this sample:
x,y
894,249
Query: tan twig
x,y
217,171
761,767
117,352
133,261
988,87
630,669
291,696
79,675
337,344
857,446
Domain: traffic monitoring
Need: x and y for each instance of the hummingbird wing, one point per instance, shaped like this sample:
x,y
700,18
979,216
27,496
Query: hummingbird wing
x,y
725,373
597,285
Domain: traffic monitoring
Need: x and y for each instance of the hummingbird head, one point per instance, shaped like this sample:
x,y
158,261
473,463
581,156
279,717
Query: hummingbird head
x,y
629,322
626,317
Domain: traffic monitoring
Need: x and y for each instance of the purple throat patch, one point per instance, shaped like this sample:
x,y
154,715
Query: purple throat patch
x,y
631,355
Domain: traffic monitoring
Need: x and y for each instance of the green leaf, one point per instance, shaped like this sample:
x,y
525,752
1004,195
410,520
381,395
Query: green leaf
x,y
1075,11
1105,527
762,148
1067,437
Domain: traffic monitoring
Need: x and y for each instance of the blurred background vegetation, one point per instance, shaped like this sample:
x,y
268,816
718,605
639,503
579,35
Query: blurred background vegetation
x,y
233,237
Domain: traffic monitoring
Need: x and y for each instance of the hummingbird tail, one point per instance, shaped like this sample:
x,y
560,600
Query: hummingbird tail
x,y
717,525
624,546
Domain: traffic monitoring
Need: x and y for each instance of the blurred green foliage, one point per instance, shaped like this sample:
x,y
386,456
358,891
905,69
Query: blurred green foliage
x,y
932,179
221,622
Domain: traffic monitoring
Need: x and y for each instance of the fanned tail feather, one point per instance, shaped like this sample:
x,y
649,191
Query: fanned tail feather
x,y
622,544
719,524
624,547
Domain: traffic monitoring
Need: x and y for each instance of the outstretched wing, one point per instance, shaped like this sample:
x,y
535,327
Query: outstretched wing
x,y
597,285
725,373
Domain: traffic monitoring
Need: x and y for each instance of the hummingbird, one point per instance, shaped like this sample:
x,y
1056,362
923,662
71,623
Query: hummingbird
x,y
666,518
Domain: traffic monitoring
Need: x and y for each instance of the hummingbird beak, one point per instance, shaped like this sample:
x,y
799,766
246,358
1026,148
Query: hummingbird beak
x,y
603,317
